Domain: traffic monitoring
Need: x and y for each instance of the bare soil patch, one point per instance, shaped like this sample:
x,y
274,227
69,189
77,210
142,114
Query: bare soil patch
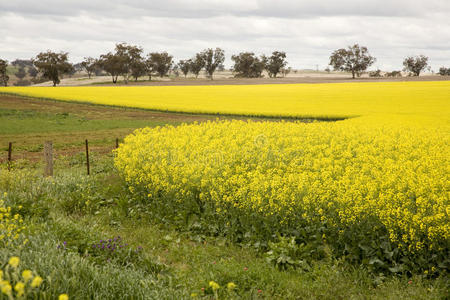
x,y
285,80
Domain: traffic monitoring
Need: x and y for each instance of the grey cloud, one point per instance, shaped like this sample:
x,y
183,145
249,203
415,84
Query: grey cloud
x,y
213,8
83,29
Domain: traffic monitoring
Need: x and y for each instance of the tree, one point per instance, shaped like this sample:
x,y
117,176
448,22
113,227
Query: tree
x,y
416,64
32,71
20,73
123,61
160,62
444,71
53,65
89,64
275,63
131,57
212,59
112,64
196,64
3,76
185,66
247,64
138,69
149,67
355,59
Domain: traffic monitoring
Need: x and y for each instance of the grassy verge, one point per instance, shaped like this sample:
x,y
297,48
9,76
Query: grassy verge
x,y
27,123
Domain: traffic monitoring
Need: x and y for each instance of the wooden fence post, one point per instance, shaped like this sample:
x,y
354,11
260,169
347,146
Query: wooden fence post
x,y
87,157
48,155
117,143
9,156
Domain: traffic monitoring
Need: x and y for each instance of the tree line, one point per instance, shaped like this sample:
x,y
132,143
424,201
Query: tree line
x,y
130,62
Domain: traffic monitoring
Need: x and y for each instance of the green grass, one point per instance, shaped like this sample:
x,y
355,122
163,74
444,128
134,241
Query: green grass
x,y
28,121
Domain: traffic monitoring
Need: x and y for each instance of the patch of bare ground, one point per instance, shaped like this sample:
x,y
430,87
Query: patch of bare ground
x,y
285,80
227,78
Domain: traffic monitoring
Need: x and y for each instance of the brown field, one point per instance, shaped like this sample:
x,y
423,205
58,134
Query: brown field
x,y
226,78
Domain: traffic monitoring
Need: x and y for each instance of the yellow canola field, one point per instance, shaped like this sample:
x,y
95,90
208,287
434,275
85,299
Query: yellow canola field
x,y
294,100
387,174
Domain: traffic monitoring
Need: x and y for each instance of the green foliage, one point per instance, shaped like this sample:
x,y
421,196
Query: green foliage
x,y
53,65
80,278
159,63
212,59
275,63
246,64
355,59
286,253
3,72
415,64
444,71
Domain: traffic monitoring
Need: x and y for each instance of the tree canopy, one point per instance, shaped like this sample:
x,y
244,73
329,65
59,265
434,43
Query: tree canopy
x,y
247,64
89,64
53,65
415,64
185,66
275,63
3,76
212,59
161,62
355,59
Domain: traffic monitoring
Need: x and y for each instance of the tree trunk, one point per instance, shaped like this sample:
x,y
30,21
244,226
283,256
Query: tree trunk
x,y
353,74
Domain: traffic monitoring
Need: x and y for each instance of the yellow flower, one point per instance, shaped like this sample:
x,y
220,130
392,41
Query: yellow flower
x,y
6,288
194,295
214,285
27,275
14,261
63,297
19,288
37,281
231,286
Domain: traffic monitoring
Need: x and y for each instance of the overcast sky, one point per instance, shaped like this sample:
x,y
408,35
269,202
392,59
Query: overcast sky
x,y
308,31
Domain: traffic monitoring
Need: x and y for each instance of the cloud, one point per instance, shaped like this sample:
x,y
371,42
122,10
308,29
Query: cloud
x,y
214,8
308,31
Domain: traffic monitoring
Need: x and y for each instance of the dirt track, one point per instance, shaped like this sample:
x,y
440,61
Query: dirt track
x,y
228,79
287,80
